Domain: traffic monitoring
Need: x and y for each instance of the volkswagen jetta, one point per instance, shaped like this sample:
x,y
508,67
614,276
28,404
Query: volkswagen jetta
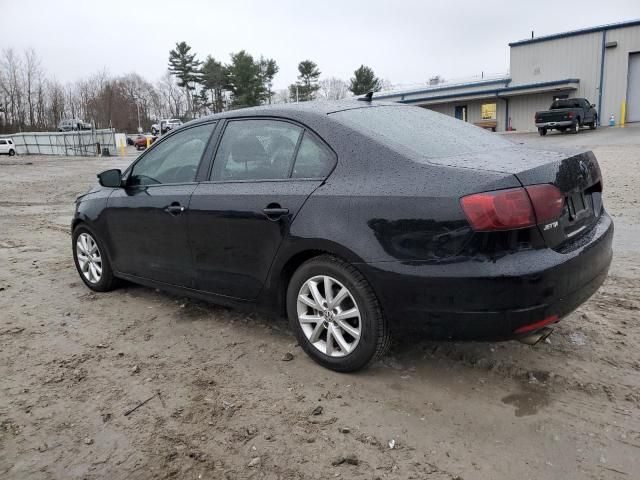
x,y
353,218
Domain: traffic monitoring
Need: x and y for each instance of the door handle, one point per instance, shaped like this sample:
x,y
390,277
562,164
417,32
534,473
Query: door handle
x,y
174,209
273,211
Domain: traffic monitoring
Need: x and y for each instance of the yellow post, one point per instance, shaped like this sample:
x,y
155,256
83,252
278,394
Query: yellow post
x,y
623,112
148,142
122,147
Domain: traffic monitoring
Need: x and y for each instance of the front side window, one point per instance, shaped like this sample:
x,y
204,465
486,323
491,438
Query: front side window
x,y
488,111
174,160
313,159
256,150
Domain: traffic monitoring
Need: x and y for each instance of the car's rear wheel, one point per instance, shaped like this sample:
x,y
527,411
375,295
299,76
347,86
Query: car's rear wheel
x,y
542,131
575,128
335,315
91,260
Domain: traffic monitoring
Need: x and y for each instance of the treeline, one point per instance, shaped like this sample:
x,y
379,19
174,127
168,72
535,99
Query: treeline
x,y
31,101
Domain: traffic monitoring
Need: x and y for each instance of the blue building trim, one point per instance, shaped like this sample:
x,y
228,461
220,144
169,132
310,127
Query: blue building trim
x,y
573,33
481,83
495,92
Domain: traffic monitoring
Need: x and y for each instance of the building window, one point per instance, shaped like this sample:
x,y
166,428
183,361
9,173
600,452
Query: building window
x,y
488,111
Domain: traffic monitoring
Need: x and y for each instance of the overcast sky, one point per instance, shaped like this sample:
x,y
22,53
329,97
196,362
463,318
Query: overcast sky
x,y
405,42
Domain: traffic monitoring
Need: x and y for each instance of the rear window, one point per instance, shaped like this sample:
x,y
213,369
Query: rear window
x,y
422,131
565,103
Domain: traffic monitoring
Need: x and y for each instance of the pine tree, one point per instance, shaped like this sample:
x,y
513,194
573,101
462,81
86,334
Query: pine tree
x,y
268,70
245,81
307,85
213,80
364,81
186,68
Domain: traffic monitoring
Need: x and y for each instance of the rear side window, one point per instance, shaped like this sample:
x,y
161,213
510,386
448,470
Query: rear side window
x,y
256,150
423,132
313,160
3,142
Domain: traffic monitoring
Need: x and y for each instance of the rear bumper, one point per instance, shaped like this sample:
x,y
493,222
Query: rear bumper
x,y
479,298
551,125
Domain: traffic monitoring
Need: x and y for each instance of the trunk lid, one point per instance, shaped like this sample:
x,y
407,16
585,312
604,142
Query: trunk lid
x,y
575,173
579,179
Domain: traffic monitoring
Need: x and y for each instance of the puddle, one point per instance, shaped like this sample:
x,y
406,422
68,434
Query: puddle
x,y
528,402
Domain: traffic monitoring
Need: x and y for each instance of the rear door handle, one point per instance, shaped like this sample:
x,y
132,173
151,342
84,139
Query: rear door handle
x,y
274,211
174,209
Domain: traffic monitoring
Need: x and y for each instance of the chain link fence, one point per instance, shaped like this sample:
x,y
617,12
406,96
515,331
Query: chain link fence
x,y
78,143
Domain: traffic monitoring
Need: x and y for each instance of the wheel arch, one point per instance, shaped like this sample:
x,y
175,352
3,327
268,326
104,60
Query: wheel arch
x,y
285,266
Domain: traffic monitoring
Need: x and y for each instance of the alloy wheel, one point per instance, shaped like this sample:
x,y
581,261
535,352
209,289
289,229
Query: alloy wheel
x,y
329,316
89,258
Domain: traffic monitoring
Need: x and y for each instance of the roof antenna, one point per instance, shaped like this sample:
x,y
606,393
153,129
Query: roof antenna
x,y
367,96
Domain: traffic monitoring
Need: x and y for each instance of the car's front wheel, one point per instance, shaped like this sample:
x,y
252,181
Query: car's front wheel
x,y
91,260
335,315
12,152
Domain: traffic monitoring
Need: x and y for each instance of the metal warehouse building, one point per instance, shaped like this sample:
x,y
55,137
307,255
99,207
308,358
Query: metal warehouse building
x,y
601,64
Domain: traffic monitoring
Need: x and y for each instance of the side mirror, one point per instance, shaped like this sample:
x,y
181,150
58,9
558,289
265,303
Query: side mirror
x,y
110,178
593,105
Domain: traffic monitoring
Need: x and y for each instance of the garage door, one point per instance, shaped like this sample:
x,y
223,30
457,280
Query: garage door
x,y
633,89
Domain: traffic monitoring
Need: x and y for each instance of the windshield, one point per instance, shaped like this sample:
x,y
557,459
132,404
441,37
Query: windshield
x,y
422,131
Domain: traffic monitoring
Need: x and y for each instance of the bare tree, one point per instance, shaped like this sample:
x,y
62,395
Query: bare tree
x,y
32,74
333,89
11,85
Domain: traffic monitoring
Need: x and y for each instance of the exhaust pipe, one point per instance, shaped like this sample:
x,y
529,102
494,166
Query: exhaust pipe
x,y
535,337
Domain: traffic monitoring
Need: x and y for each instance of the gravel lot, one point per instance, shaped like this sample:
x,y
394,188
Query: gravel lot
x,y
228,405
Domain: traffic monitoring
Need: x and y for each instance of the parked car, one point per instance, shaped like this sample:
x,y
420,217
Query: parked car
x,y
141,141
7,147
354,218
163,126
73,124
567,114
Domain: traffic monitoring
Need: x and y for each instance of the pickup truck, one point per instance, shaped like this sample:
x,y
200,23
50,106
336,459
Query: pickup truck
x,y
567,114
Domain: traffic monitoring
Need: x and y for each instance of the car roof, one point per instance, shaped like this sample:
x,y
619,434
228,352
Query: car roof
x,y
298,110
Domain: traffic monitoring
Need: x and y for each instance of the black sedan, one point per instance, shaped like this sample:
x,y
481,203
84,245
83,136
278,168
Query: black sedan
x,y
354,218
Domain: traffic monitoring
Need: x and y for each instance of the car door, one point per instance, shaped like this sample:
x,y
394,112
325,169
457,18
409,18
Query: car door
x,y
4,148
239,218
147,220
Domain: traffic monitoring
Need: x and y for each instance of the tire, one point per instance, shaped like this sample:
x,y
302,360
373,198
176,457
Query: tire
x,y
542,131
12,152
368,323
575,128
593,125
106,280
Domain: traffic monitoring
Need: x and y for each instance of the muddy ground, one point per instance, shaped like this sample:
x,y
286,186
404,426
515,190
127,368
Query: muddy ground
x,y
227,405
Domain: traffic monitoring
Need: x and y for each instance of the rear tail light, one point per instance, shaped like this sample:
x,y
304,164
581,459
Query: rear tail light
x,y
547,202
512,208
570,115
